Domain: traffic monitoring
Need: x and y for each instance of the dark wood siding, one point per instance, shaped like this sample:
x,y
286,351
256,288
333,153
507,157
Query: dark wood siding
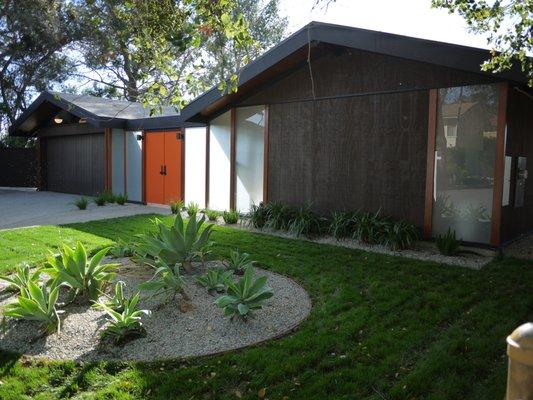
x,y
363,145
516,221
75,164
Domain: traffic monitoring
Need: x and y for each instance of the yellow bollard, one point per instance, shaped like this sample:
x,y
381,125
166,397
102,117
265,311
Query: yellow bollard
x,y
520,352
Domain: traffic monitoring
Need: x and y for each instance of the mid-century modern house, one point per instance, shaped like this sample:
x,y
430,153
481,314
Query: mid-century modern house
x,y
346,118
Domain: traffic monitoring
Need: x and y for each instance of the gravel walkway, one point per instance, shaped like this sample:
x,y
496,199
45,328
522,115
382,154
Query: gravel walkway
x,y
201,330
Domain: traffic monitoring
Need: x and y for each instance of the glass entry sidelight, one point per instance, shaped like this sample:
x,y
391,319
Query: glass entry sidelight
x,y
465,151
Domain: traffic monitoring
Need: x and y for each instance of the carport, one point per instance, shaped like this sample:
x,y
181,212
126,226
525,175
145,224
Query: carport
x,y
89,144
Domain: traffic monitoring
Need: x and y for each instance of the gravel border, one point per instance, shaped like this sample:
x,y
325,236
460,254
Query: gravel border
x,y
177,329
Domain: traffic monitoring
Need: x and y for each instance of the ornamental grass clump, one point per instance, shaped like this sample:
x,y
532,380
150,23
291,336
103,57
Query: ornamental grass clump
x,y
36,303
81,203
342,224
399,235
279,216
230,217
180,243
192,209
304,222
258,215
176,206
85,278
100,200
448,244
121,199
246,296
212,215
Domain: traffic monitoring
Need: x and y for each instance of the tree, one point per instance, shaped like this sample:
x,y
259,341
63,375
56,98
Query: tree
x,y
144,49
509,24
266,27
33,34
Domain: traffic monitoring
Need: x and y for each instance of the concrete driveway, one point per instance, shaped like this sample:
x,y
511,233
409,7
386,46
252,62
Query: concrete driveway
x,y
24,208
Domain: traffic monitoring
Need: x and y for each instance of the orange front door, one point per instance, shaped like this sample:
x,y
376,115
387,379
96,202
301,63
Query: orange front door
x,y
173,152
163,167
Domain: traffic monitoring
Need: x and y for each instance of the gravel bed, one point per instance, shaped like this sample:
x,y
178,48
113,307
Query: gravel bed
x,y
175,329
473,258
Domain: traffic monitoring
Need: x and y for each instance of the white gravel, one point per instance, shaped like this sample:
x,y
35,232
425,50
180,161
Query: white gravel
x,y
201,330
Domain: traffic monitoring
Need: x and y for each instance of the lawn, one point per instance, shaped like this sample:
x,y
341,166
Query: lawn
x,y
381,328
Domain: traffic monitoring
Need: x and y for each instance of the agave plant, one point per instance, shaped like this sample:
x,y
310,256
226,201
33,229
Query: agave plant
x,y
215,280
181,243
122,249
238,262
166,280
36,303
19,280
245,296
192,208
125,324
72,268
118,301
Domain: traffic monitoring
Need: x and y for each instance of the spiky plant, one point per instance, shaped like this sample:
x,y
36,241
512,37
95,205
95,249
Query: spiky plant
x,y
192,208
176,206
258,215
84,277
215,280
116,302
167,280
304,222
231,217
181,243
212,215
245,296
238,262
19,280
448,244
81,203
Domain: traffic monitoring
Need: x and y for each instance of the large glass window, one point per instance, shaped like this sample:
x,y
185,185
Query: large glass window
x,y
249,149
219,162
464,161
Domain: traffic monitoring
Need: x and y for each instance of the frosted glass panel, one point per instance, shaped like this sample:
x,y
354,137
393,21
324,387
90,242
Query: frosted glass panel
x,y
464,161
219,162
134,166
117,160
249,143
195,166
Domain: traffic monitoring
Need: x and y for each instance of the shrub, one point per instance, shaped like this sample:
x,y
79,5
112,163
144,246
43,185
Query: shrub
x,y
86,278
231,217
81,203
118,301
192,208
258,215
121,199
108,196
399,235
36,303
166,280
370,228
100,200
448,244
179,243
304,222
212,215
126,324
122,249
215,280
176,206
245,296
279,216
238,262
21,278
342,224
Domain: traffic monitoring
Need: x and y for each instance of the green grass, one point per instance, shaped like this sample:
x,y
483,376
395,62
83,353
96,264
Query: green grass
x,y
381,328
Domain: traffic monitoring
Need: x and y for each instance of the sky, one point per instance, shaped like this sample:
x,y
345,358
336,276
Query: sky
x,y
406,17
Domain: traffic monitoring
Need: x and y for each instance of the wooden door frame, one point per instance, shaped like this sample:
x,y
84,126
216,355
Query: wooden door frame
x,y
430,163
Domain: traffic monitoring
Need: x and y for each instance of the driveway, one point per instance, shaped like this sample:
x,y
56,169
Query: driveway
x,y
24,208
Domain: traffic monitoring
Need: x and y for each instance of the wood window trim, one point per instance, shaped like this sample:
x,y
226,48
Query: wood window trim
x,y
180,134
499,165
430,165
233,156
207,164
265,156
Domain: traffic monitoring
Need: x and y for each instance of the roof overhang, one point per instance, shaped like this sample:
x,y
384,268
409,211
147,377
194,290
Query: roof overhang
x,y
295,49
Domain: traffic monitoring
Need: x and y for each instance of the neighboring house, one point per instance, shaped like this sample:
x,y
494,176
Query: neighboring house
x,y
347,119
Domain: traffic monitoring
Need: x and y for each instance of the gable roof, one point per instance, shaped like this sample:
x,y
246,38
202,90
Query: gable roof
x,y
97,111
428,51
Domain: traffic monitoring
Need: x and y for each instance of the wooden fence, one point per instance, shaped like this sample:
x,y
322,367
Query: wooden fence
x,y
19,167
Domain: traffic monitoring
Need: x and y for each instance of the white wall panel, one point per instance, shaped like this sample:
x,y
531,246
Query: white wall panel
x,y
134,166
117,161
219,162
195,165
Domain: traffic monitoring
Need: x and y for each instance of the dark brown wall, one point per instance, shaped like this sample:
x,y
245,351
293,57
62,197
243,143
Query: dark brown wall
x,y
18,167
74,164
516,221
366,151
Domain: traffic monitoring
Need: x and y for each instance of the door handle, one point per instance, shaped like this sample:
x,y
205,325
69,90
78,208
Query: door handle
x,y
164,169
161,172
